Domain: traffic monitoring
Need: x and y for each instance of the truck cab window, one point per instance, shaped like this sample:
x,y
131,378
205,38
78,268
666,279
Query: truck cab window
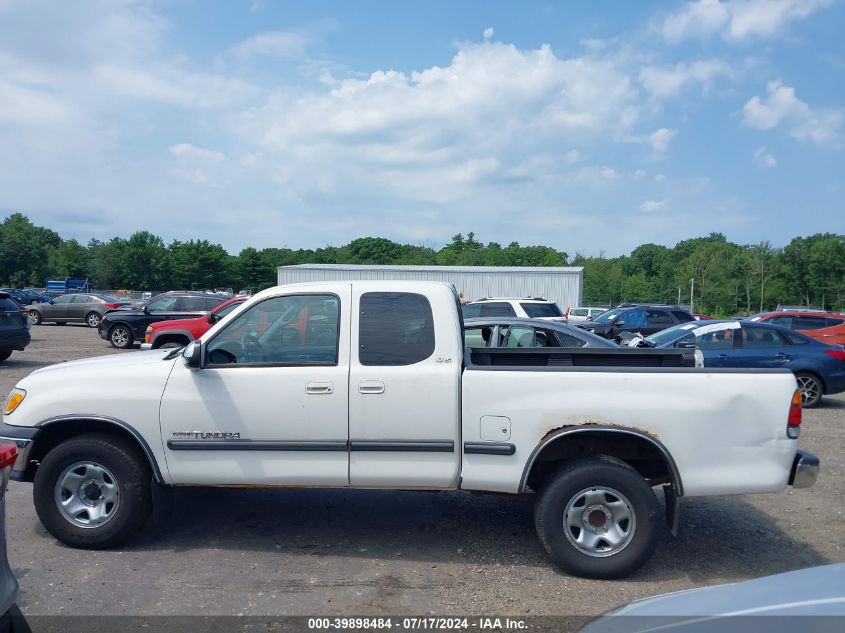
x,y
288,330
395,328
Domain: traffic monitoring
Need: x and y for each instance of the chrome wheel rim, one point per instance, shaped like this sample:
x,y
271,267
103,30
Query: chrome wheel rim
x,y
87,494
93,320
119,337
35,317
810,389
599,521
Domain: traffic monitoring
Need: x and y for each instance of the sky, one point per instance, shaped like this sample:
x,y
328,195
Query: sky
x,y
590,127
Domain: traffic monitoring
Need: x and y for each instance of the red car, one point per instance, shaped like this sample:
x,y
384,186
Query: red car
x,y
827,327
180,332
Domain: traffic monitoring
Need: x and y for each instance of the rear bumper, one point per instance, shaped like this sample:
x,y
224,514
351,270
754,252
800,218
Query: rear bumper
x,y
146,346
805,470
22,437
17,340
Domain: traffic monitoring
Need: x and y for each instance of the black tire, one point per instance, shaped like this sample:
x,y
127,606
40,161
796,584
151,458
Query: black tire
x,y
5,354
574,480
92,319
120,336
133,479
35,317
812,389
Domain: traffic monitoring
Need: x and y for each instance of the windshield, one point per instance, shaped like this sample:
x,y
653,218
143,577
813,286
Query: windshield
x,y
610,315
670,334
538,310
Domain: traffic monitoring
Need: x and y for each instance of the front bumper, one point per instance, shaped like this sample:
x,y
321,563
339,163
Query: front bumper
x,y
805,470
23,437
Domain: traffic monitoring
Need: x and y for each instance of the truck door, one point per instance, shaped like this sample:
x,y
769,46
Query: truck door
x,y
270,404
404,395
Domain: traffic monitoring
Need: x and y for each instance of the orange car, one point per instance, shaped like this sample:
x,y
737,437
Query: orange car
x,y
827,327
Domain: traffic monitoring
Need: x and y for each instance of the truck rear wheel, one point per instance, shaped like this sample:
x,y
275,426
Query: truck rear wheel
x,y
93,491
598,518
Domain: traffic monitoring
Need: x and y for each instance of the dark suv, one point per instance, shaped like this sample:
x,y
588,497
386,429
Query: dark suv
x,y
645,318
121,328
14,326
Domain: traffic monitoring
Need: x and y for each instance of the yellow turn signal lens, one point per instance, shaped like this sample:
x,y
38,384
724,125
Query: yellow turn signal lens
x,y
14,400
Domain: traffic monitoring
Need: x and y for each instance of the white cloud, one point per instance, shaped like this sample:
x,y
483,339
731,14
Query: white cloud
x,y
659,140
781,104
664,83
186,150
488,33
269,44
571,157
659,178
609,173
654,206
736,20
763,159
640,173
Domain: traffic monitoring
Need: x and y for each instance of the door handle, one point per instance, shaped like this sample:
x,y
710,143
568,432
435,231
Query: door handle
x,y
371,386
724,356
318,388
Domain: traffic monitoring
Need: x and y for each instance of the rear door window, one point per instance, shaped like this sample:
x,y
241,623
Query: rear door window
x,y
682,317
478,337
540,310
193,304
517,336
497,309
658,318
9,305
830,322
808,323
162,304
755,337
472,311
395,328
579,312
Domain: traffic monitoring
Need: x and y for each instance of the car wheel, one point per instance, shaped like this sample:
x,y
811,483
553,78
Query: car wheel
x,y
120,337
811,389
5,354
92,319
35,317
598,518
93,491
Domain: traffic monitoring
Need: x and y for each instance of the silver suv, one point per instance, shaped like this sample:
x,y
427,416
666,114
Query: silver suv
x,y
525,308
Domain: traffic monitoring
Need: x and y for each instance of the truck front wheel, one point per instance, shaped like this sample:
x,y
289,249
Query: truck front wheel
x,y
93,491
598,518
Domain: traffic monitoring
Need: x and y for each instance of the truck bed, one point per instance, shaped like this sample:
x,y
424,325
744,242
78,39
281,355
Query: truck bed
x,y
514,358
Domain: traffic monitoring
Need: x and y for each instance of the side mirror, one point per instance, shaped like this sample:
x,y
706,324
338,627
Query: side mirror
x,y
211,317
192,355
619,324
52,301
685,345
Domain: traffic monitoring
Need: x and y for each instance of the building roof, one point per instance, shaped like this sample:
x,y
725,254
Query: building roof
x,y
554,270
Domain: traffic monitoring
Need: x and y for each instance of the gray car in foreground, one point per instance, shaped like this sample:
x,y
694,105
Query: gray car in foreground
x,y
515,332
804,601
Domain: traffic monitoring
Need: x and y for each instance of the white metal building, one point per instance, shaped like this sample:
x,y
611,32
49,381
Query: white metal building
x,y
562,285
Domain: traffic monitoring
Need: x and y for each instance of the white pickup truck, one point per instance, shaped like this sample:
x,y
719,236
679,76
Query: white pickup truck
x,y
367,385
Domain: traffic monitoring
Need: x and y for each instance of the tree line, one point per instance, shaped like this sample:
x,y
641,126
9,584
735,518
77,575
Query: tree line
x,y
728,278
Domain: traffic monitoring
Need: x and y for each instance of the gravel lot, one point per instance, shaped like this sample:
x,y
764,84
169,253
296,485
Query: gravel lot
x,y
273,552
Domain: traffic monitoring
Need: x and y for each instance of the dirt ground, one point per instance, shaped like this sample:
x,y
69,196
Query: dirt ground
x,y
301,552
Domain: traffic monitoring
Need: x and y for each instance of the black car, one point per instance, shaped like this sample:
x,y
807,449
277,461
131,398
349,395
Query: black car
x,y
644,318
25,297
14,326
123,327
515,332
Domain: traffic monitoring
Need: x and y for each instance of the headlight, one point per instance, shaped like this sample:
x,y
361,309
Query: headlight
x,y
14,400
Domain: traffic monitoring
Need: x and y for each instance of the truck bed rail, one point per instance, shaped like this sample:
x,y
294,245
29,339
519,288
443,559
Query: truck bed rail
x,y
481,358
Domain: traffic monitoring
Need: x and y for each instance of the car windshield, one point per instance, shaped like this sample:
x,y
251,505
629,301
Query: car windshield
x,y
670,334
610,315
537,310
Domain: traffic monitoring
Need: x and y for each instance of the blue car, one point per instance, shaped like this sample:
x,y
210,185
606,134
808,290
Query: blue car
x,y
819,368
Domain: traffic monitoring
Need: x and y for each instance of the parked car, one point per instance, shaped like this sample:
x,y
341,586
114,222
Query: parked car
x,y
14,326
701,317
813,599
122,328
25,297
643,318
8,582
526,308
180,332
74,308
528,333
366,384
583,313
819,368
827,327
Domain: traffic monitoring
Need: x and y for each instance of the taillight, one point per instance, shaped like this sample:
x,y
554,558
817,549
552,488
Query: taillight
x,y
793,421
567,312
112,306
838,354
8,455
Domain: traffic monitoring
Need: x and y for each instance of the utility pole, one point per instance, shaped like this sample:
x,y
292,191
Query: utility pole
x,y
679,295
691,294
